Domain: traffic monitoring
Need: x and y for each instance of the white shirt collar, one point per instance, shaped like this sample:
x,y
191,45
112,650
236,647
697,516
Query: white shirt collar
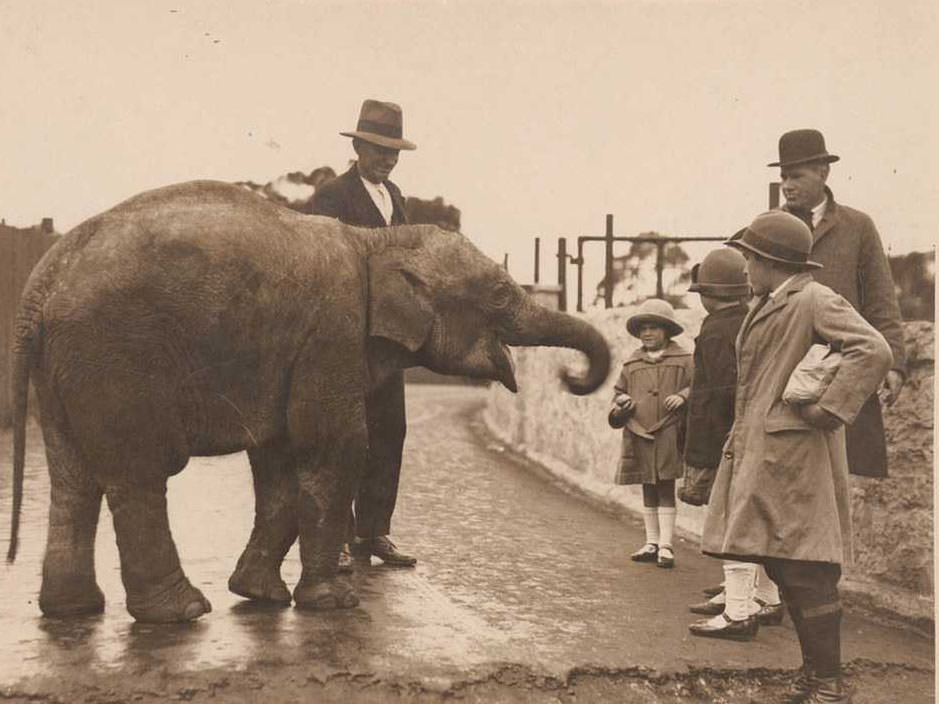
x,y
776,290
381,197
819,211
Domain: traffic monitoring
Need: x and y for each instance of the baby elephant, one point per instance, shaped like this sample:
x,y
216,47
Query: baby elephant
x,y
200,319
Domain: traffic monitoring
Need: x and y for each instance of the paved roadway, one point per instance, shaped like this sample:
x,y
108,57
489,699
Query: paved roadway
x,y
515,575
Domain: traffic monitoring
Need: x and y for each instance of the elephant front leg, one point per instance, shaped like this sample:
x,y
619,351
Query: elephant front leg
x,y
326,482
257,575
157,589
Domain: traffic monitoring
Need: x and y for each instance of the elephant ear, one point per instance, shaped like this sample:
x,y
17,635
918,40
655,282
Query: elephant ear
x,y
398,309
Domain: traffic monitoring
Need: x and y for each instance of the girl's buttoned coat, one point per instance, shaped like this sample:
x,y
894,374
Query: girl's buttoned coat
x,y
781,489
651,448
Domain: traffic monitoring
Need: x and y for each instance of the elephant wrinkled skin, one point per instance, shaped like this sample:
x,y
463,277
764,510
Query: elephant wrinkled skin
x,y
201,319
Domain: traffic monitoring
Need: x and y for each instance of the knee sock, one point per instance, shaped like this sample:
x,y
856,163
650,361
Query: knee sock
x,y
666,524
738,589
650,519
766,590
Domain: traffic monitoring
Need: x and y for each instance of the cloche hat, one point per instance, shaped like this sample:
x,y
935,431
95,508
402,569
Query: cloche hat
x,y
381,123
801,147
779,236
654,310
722,274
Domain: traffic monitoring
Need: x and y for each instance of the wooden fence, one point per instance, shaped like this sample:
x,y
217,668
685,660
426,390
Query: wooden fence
x,y
20,249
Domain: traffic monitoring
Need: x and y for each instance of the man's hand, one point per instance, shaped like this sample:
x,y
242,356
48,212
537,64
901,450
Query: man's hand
x,y
818,417
623,402
673,402
891,389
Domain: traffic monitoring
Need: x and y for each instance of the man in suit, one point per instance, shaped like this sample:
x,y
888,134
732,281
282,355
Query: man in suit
x,y
847,244
363,196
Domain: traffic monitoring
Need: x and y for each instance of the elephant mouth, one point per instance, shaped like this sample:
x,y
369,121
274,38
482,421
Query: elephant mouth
x,y
501,357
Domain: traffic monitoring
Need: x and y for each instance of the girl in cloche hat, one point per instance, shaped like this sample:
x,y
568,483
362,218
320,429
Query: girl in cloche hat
x,y
648,403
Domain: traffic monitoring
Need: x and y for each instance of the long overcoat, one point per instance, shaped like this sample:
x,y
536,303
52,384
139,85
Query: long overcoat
x,y
847,244
781,489
653,436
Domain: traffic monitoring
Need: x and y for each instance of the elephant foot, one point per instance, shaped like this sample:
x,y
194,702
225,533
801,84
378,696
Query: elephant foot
x,y
321,594
173,603
70,599
259,584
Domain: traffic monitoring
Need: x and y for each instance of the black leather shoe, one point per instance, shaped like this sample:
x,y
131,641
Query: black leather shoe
x,y
770,614
647,553
382,548
828,690
707,608
360,548
800,688
345,560
731,630
713,591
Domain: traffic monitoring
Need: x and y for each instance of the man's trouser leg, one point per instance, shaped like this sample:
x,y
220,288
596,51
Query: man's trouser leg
x,y
810,590
378,491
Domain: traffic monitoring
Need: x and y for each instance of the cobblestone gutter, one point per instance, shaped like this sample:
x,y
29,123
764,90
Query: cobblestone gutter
x,y
893,527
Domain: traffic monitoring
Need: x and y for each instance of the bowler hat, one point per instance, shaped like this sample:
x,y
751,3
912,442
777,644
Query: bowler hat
x,y
801,147
721,274
779,236
657,311
381,123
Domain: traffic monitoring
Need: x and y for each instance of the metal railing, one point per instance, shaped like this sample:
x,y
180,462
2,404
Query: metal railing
x,y
608,239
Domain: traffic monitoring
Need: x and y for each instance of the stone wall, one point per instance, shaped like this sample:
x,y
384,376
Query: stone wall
x,y
893,531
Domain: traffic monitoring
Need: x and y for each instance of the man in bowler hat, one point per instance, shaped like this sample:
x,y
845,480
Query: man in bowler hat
x,y
364,197
847,244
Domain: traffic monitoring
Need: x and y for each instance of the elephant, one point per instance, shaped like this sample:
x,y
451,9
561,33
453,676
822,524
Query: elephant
x,y
200,319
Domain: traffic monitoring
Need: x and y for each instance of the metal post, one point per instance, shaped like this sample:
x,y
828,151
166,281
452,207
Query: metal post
x,y
537,257
773,195
580,274
608,275
562,274
505,261
659,267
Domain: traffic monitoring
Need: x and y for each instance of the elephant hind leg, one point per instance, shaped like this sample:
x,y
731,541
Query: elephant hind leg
x,y
69,586
157,589
257,575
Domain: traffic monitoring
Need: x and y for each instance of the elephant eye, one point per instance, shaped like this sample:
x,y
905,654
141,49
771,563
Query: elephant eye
x,y
500,296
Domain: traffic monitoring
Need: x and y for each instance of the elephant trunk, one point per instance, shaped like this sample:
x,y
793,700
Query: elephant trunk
x,y
536,325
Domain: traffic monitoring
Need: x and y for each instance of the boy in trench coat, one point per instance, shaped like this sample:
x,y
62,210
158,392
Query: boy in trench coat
x,y
780,497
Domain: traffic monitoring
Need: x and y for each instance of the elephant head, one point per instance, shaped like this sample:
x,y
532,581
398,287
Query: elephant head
x,y
455,310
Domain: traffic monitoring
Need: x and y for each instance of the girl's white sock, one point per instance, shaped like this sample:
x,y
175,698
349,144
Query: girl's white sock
x,y
650,518
666,524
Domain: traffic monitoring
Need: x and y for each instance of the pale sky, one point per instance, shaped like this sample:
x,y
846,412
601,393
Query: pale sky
x,y
534,118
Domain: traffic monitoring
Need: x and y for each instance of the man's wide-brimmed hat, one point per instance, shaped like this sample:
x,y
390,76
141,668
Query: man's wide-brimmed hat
x,y
381,123
721,274
657,311
779,236
801,147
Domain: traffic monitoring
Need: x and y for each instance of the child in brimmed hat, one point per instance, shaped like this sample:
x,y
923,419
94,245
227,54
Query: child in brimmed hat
x,y
649,398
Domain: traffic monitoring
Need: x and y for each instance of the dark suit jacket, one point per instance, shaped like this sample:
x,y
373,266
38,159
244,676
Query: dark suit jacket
x,y
345,198
711,403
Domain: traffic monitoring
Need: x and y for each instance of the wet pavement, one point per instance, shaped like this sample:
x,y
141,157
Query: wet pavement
x,y
513,572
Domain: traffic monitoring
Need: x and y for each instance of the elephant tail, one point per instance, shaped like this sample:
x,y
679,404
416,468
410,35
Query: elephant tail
x,y
21,364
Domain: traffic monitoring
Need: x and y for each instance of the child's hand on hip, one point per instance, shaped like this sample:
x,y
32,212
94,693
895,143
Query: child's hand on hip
x,y
673,402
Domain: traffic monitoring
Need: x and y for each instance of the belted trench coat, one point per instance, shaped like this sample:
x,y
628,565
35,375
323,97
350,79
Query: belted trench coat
x,y
652,437
781,488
